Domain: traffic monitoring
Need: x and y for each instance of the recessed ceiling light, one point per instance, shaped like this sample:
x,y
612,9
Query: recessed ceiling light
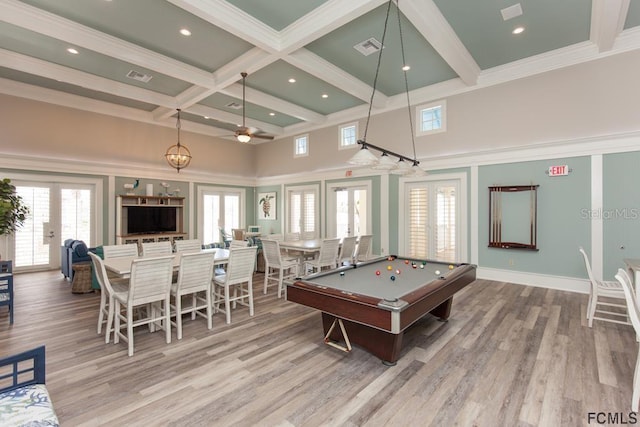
x,y
272,114
185,32
324,95
206,117
518,30
292,80
72,50
406,68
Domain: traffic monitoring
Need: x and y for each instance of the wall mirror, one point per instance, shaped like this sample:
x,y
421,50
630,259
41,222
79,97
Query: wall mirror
x,y
513,217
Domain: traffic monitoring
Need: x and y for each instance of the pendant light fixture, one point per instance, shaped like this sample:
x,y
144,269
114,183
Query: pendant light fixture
x,y
364,157
178,156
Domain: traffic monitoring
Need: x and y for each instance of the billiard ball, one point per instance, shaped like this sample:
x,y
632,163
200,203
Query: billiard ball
x,y
422,266
377,272
389,268
342,273
450,266
406,261
393,278
414,265
390,258
424,262
437,272
397,271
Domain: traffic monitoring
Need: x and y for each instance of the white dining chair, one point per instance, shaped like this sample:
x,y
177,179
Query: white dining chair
x,y
634,315
327,257
347,250
194,280
156,249
149,287
239,272
363,249
238,244
107,289
277,267
120,251
614,312
187,245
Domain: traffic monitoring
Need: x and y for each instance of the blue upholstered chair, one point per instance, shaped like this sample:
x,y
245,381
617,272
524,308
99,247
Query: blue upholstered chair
x,y
6,287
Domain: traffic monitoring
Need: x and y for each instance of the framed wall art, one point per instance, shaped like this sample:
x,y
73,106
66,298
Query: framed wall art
x,y
267,203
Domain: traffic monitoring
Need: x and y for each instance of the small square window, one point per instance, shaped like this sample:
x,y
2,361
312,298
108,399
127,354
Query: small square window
x,y
431,118
301,146
349,135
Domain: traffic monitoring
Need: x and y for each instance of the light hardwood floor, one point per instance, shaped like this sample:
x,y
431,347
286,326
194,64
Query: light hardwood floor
x,y
509,356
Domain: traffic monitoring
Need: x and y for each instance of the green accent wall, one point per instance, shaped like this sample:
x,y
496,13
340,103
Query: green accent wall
x,y
562,228
621,210
270,226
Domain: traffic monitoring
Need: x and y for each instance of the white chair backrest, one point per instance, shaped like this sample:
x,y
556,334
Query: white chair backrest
x,y
120,251
633,310
587,265
196,271
241,264
308,235
189,245
348,248
237,234
292,237
329,252
150,279
271,252
364,247
101,273
278,237
155,249
238,244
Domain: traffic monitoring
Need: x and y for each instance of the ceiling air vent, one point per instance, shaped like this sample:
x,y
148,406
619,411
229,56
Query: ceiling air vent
x,y
368,47
511,12
133,74
234,106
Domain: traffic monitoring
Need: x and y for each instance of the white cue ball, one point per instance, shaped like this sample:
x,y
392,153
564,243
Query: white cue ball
x,y
437,272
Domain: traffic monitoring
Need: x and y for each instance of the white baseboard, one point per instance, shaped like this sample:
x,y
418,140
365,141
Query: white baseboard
x,y
570,284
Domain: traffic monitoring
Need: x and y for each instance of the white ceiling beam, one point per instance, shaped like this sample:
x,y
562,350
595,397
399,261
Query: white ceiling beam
x,y
268,101
39,21
224,116
428,20
607,22
311,63
49,70
224,15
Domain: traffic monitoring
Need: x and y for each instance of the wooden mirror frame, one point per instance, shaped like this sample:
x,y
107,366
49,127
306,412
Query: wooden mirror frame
x,y
495,217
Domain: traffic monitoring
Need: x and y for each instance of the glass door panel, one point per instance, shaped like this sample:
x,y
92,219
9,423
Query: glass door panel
x,y
33,241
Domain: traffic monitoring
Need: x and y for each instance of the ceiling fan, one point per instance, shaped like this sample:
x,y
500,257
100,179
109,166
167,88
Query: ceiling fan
x,y
244,134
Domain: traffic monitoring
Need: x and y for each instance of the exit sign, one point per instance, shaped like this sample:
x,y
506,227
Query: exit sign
x,y
559,170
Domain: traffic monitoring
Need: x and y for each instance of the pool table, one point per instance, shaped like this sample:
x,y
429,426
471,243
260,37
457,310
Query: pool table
x,y
377,300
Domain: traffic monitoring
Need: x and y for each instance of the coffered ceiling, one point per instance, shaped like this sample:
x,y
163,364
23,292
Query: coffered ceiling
x,y
452,46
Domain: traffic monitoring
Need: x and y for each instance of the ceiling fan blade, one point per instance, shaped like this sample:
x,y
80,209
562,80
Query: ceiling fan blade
x,y
262,136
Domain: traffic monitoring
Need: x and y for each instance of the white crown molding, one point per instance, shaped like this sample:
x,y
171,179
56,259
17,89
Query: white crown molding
x,y
569,284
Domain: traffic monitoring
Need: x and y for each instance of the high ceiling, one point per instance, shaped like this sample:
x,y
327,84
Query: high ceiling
x,y
452,46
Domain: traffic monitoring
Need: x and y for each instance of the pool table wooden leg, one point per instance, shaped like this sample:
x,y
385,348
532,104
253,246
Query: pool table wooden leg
x,y
443,311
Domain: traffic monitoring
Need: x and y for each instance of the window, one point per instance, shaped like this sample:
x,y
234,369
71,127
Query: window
x,y
432,118
301,146
302,210
219,209
348,135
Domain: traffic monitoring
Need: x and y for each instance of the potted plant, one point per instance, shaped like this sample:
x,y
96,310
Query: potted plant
x,y
13,211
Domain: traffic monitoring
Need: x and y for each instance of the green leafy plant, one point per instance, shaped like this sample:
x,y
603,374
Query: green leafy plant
x,y
13,211
266,205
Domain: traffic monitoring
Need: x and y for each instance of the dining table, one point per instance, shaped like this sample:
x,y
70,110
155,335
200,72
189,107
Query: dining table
x,y
122,266
301,249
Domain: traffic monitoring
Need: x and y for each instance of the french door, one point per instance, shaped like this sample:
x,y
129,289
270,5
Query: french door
x,y
57,211
219,209
349,209
432,220
302,211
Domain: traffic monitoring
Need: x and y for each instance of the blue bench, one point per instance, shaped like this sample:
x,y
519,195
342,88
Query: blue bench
x,y
24,399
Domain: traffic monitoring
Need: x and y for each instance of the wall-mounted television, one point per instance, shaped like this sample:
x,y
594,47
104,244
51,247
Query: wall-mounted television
x,y
151,219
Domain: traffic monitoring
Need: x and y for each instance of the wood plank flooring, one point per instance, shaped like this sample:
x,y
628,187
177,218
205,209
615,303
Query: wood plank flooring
x,y
510,355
